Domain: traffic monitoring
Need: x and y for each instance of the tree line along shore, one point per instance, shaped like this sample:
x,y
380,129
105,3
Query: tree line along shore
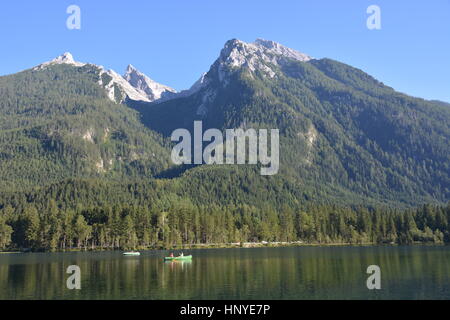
x,y
185,225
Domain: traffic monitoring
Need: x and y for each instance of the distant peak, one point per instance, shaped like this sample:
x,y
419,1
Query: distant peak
x,y
131,68
133,72
152,89
260,55
65,58
263,46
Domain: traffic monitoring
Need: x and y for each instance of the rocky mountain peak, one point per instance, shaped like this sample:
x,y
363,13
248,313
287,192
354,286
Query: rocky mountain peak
x,y
65,58
152,89
260,55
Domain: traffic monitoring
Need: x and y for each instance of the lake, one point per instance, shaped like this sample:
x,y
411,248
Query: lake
x,y
409,272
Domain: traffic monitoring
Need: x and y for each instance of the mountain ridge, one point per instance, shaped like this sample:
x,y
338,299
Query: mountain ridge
x,y
134,84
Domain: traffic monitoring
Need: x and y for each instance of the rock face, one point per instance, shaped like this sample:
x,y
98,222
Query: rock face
x,y
118,89
272,47
259,55
146,86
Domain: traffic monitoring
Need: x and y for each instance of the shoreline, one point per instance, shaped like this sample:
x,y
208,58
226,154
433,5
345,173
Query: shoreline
x,y
245,245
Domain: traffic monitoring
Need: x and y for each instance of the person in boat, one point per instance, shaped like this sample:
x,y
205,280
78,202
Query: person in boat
x,y
182,254
171,254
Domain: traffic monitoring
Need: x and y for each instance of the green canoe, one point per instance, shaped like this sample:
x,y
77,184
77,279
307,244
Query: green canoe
x,y
178,258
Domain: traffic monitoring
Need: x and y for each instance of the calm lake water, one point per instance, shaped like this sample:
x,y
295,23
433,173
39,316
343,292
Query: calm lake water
x,y
416,272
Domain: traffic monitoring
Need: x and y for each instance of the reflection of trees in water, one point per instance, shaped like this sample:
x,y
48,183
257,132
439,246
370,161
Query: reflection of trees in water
x,y
272,273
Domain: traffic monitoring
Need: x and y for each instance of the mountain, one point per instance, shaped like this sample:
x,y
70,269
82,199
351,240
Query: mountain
x,y
344,135
153,90
346,138
63,120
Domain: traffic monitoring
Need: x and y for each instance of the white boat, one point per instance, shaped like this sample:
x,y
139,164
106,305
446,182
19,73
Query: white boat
x,y
132,253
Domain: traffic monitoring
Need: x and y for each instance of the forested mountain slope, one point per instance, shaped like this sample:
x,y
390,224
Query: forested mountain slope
x,y
343,133
58,123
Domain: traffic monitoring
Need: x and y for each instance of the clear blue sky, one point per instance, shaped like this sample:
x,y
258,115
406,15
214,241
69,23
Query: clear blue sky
x,y
174,41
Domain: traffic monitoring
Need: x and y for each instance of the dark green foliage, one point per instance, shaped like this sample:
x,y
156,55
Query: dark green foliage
x,y
158,217
57,124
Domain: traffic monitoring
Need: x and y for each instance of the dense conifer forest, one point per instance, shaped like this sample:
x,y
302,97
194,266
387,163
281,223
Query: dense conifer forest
x,y
81,215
